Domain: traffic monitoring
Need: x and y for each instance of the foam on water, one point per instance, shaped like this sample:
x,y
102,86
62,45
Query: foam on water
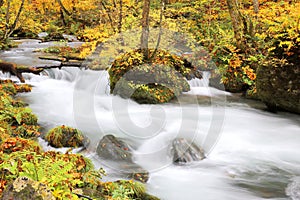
x,y
256,156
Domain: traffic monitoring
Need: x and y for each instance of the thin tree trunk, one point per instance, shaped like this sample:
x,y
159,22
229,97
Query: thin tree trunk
x,y
7,15
255,6
109,16
62,16
75,18
10,29
160,28
120,23
18,15
120,16
145,29
63,7
237,24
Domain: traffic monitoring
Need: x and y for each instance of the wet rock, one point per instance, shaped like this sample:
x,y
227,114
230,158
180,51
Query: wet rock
x,y
278,85
233,85
24,188
113,148
119,154
185,152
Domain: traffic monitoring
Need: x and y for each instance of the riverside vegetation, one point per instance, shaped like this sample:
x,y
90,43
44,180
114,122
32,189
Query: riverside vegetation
x,y
254,46
27,171
252,43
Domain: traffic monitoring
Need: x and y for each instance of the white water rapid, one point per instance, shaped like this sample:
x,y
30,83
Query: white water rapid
x,y
256,156
252,154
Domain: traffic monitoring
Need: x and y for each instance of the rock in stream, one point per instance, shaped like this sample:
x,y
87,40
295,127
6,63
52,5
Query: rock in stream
x,y
119,156
185,152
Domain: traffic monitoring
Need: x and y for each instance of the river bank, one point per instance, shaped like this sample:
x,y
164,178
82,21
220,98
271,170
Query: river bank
x,y
67,176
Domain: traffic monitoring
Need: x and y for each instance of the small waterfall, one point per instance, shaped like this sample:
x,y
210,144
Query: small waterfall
x,y
65,73
201,82
80,98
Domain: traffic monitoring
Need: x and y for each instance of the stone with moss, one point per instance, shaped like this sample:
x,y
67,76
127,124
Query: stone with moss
x,y
155,80
278,76
278,85
64,136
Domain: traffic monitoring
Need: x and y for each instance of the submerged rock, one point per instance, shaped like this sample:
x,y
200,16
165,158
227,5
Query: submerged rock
x,y
24,188
119,154
185,152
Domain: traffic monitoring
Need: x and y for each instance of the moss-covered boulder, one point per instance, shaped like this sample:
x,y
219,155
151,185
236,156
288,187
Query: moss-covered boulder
x,y
157,80
278,77
24,188
64,136
278,85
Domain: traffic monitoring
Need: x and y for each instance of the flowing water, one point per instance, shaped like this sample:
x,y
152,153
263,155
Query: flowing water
x,y
252,154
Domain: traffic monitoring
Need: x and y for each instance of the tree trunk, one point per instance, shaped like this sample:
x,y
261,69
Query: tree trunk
x,y
160,28
108,11
63,8
62,16
145,29
68,13
10,29
237,24
255,6
120,16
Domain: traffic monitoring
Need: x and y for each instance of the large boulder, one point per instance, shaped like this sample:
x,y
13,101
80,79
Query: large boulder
x,y
119,156
158,81
278,85
185,152
24,188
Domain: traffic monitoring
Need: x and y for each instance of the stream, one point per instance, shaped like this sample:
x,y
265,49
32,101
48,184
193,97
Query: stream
x,y
251,153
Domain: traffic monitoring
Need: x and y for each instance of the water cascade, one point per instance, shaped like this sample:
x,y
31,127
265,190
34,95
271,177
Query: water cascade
x,y
251,153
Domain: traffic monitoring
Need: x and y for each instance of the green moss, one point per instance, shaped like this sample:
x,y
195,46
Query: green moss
x,y
64,136
157,81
